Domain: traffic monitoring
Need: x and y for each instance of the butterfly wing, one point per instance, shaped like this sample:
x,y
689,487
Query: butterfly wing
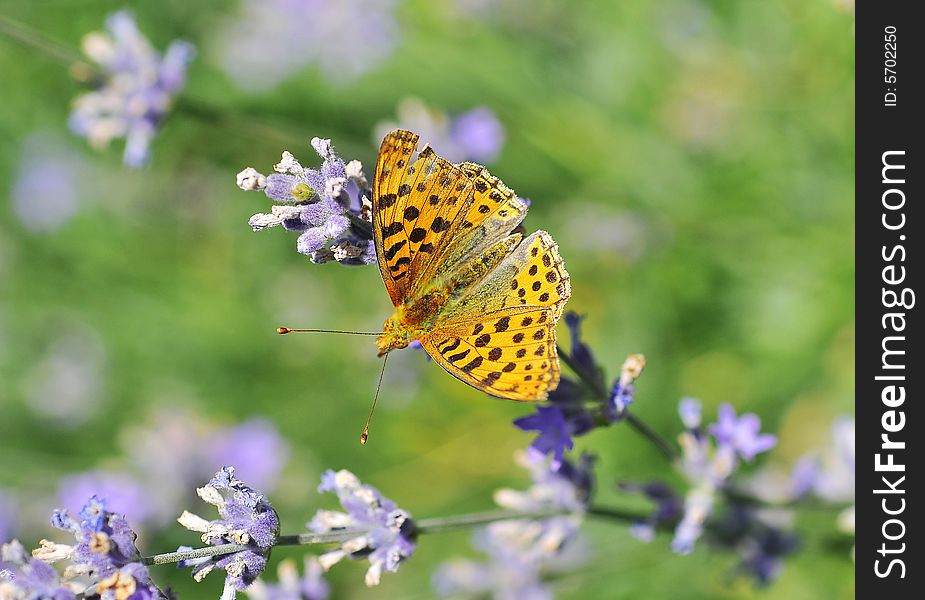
x,y
510,353
431,216
532,275
417,198
494,211
501,336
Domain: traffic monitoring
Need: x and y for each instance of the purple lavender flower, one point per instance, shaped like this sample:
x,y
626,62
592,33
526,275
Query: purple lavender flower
x,y
621,394
509,573
742,433
105,551
105,541
385,533
566,487
555,433
256,449
581,352
174,449
271,39
571,412
708,468
246,518
137,89
311,586
22,576
330,207
474,135
123,494
520,551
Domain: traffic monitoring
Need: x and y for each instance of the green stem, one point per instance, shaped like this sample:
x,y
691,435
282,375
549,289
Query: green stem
x,y
24,34
667,449
424,526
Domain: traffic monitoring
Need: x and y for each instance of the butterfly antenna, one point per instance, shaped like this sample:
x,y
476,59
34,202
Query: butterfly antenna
x,y
365,435
285,330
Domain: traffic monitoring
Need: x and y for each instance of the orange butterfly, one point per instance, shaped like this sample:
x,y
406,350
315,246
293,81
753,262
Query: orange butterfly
x,y
482,300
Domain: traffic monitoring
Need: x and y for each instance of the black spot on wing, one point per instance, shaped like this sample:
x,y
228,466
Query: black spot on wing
x,y
392,229
394,248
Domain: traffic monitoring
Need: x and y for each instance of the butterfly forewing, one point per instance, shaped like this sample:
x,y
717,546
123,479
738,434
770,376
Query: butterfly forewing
x,y
416,201
491,215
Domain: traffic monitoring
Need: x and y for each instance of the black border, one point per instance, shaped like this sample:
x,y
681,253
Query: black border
x,y
881,128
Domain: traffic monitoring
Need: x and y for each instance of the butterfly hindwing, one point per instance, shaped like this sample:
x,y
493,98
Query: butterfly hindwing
x,y
417,198
533,275
509,353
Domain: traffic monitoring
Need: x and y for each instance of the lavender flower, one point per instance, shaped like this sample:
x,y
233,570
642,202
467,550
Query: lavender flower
x,y
246,518
621,394
385,533
136,90
555,433
28,578
311,586
571,412
105,551
708,468
271,39
520,551
742,433
510,573
474,135
330,207
174,449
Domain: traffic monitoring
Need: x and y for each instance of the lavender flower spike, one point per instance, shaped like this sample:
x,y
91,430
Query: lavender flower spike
x,y
385,533
311,586
24,577
105,552
621,395
329,207
521,551
741,433
246,518
137,89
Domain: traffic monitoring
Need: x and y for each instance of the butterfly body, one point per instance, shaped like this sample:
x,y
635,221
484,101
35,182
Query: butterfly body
x,y
482,299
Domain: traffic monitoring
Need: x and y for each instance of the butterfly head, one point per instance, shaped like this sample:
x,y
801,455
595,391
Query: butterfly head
x,y
394,336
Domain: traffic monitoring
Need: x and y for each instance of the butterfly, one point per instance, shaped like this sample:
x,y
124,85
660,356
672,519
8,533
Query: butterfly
x,y
482,299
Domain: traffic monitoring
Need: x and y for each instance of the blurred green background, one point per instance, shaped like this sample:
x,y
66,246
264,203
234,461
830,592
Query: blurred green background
x,y
693,158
